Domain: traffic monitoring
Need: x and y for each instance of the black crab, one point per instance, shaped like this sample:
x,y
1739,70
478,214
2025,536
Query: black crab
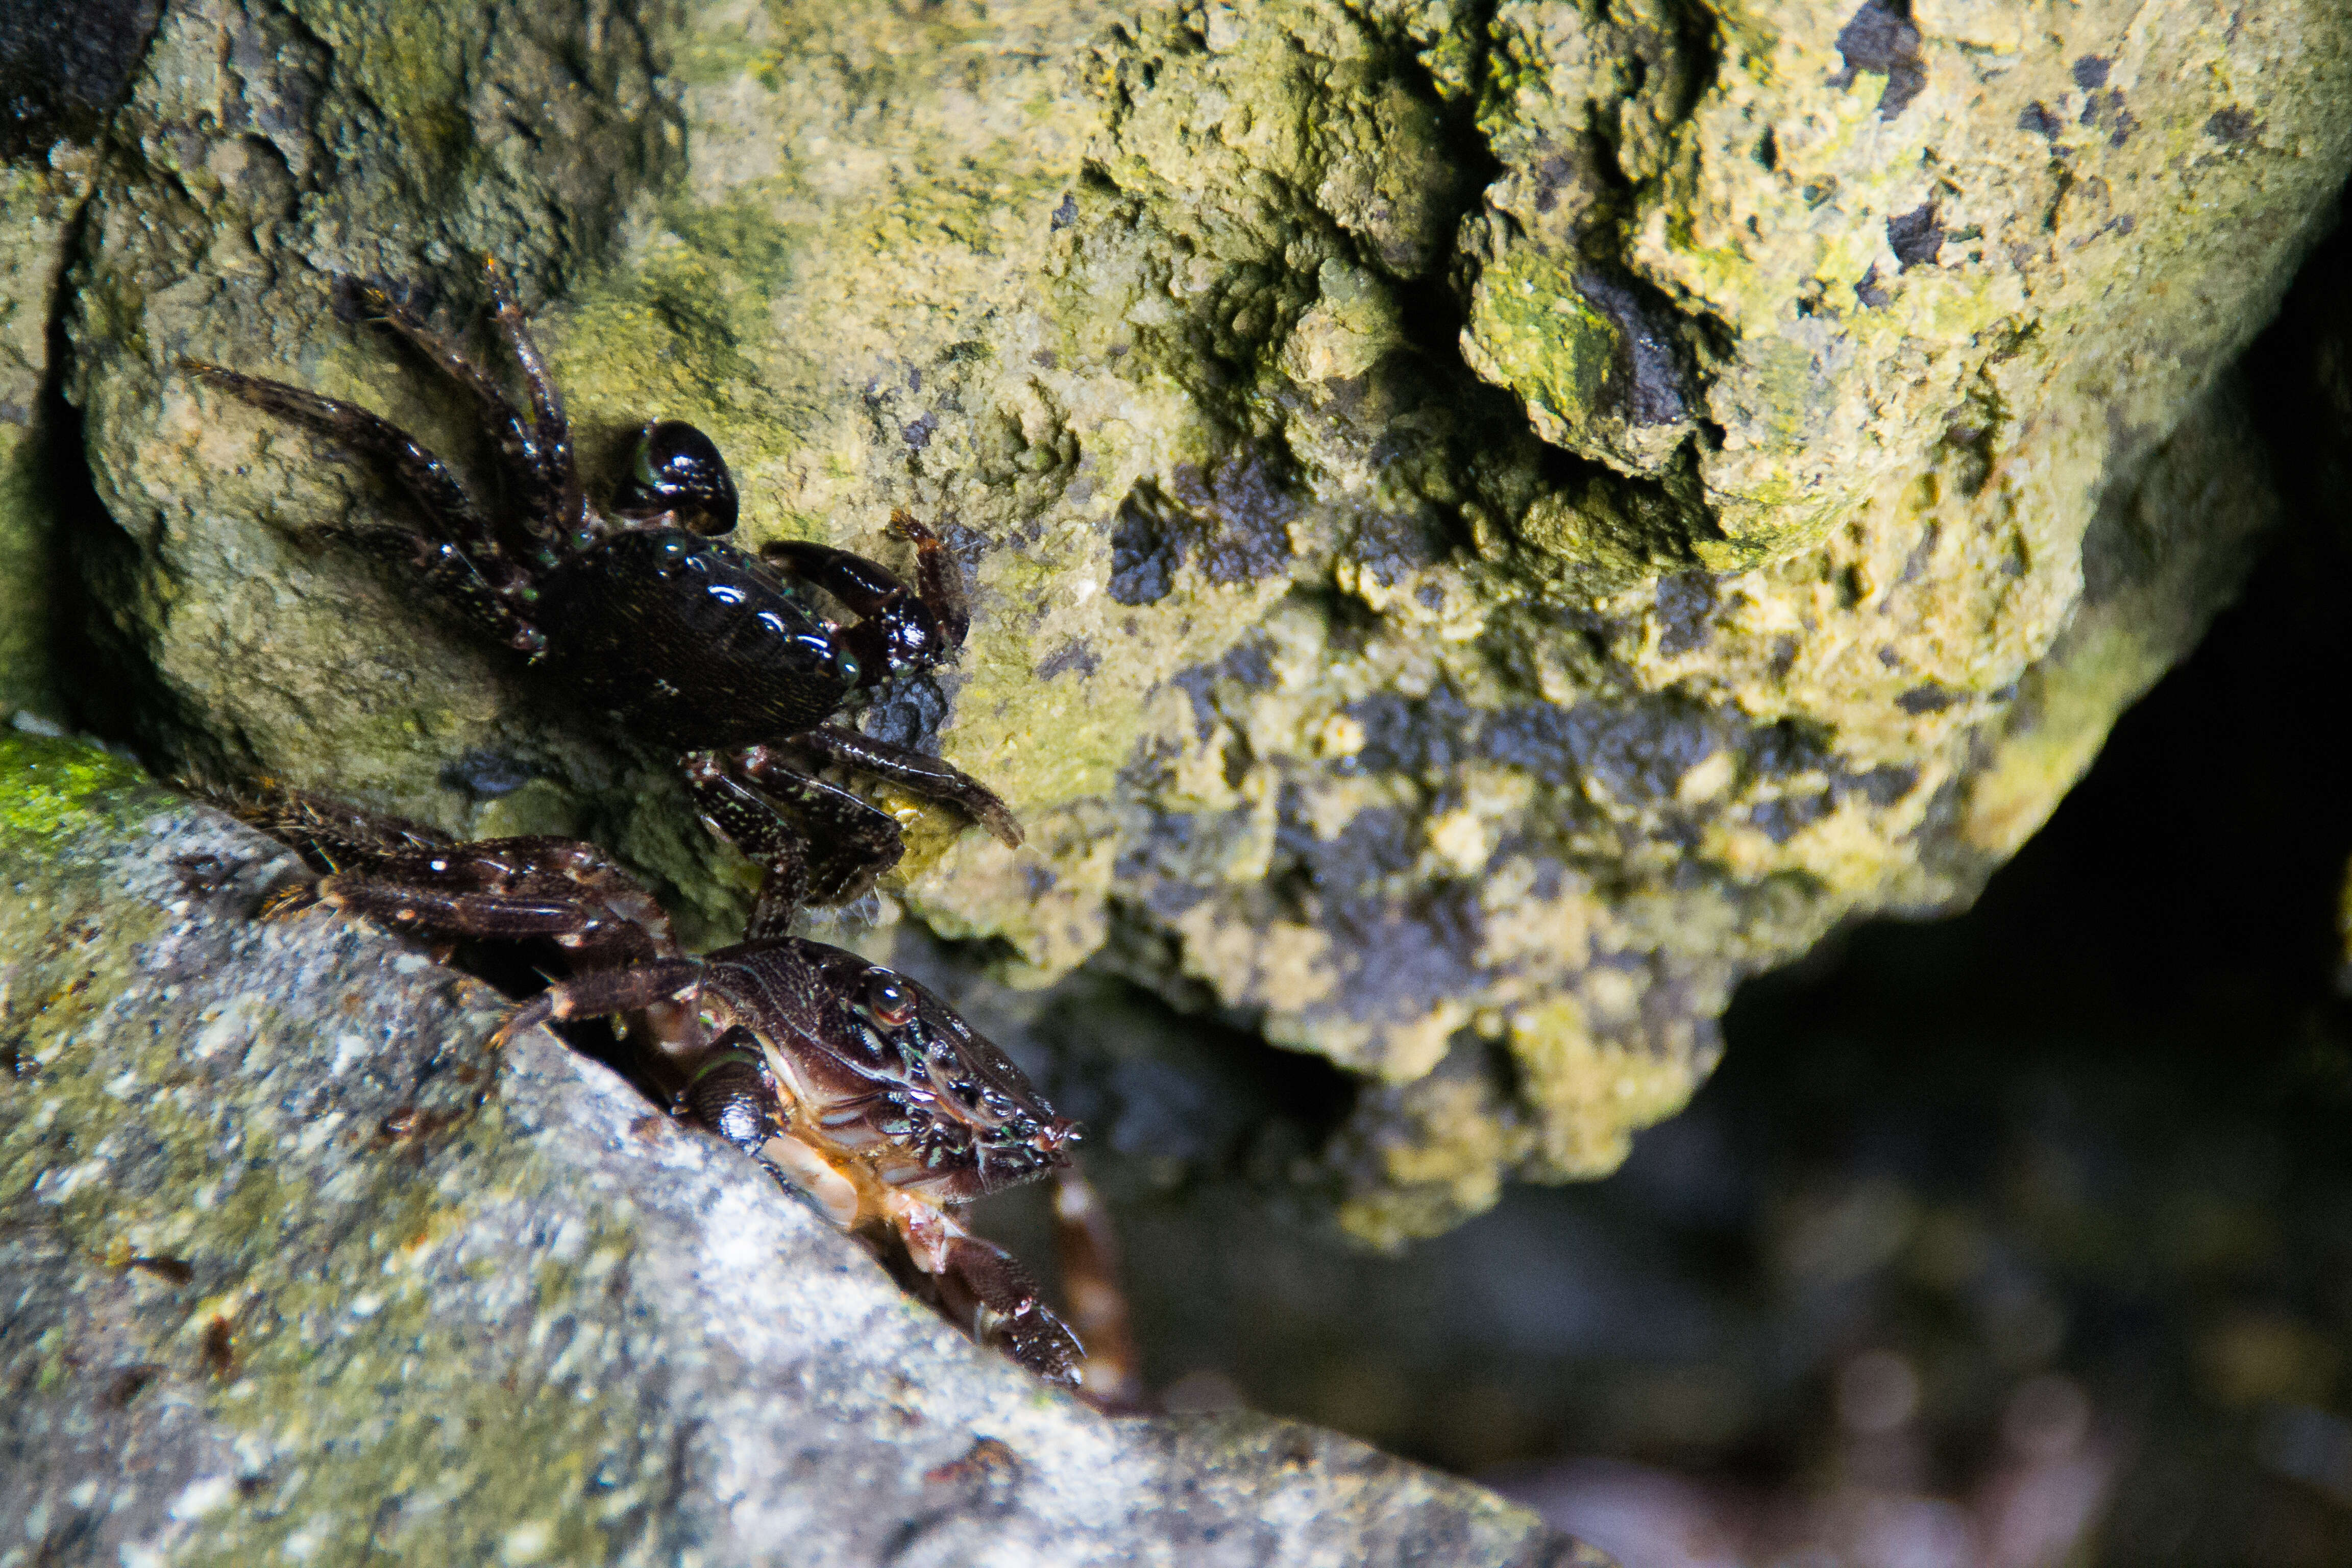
x,y
642,612
850,1082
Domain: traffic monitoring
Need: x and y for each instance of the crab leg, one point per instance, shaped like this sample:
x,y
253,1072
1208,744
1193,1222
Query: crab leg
x,y
991,1297
451,574
925,775
423,477
563,475
898,630
854,844
866,587
604,993
529,468
409,907
748,819
1111,1375
939,581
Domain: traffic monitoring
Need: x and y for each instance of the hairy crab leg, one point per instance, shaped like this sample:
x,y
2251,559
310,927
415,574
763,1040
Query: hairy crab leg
x,y
562,474
453,579
465,914
400,875
471,545
604,993
854,844
425,480
327,832
748,819
989,1294
529,470
924,776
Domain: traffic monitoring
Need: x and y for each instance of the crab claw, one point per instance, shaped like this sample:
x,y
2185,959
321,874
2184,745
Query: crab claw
x,y
988,1294
939,580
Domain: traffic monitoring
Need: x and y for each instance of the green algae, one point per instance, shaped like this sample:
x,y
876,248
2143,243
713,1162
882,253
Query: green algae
x,y
61,790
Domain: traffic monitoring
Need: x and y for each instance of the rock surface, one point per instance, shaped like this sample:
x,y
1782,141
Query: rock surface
x,y
1490,523
295,1273
38,202
61,73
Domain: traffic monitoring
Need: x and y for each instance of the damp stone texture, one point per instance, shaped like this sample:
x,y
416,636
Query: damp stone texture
x,y
1487,523
297,1271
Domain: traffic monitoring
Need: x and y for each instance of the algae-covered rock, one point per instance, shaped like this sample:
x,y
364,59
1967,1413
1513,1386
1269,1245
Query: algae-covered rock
x,y
61,71
36,205
1486,526
297,1272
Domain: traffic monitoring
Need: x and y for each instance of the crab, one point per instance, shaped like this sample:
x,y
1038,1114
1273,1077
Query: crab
x,y
642,612
851,1082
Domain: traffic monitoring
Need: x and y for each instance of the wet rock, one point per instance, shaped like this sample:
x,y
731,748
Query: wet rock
x,y
297,1271
1484,530
40,196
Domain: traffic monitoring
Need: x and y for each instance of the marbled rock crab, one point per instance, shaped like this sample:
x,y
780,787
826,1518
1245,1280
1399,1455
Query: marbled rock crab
x,y
851,1082
641,612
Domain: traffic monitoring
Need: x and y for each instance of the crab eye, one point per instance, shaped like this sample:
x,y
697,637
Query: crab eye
x,y
677,469
889,1000
845,664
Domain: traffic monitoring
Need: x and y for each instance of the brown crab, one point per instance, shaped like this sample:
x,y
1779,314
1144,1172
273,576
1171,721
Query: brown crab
x,y
857,1085
641,613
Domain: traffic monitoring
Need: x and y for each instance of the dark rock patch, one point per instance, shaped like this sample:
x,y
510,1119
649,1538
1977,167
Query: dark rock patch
x,y
2234,126
64,68
1686,600
1145,553
1929,698
1073,655
1645,380
1916,236
1392,545
1882,37
909,713
1241,509
1637,751
1423,736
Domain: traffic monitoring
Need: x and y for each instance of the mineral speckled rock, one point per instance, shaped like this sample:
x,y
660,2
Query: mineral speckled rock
x,y
295,1272
1487,525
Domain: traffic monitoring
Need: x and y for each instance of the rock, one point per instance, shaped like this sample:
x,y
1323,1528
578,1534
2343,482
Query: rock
x,y
297,1272
1487,529
62,70
32,248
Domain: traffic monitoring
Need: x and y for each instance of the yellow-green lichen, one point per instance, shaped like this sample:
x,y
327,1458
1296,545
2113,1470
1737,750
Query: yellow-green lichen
x,y
57,790
1358,679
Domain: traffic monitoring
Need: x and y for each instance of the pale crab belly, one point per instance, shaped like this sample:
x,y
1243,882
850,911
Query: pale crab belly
x,y
832,1150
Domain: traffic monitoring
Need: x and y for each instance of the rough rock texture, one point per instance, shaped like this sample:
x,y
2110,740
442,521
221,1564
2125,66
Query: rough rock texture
x,y
295,1273
62,69
36,205
1490,522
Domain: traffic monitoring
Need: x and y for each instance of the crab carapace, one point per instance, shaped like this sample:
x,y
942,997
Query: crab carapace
x,y
641,613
